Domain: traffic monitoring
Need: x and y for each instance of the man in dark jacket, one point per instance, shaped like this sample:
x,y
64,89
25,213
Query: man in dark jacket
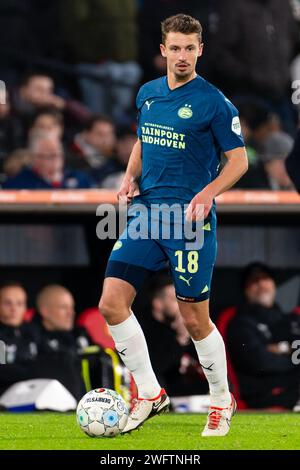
x,y
59,338
93,149
26,353
260,341
20,342
55,322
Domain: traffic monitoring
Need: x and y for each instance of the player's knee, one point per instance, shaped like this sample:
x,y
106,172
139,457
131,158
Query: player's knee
x,y
191,325
112,309
107,308
198,329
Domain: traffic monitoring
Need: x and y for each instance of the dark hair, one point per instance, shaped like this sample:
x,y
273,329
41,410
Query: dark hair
x,y
29,74
49,111
254,271
89,124
181,23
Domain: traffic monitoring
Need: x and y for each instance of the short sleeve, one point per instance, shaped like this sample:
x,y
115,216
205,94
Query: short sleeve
x,y
139,104
226,126
138,127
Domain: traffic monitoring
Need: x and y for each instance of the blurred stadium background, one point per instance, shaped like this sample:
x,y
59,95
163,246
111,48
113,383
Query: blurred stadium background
x,y
71,71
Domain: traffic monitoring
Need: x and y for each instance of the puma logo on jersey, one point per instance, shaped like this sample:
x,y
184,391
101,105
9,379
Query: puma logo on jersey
x,y
148,104
186,280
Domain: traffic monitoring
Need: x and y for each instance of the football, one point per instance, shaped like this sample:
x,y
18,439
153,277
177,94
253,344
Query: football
x,y
102,413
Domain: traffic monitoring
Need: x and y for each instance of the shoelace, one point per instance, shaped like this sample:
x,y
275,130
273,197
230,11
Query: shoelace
x,y
214,418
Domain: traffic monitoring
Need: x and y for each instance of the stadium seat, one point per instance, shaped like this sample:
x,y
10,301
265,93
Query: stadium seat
x,y
225,317
94,323
29,314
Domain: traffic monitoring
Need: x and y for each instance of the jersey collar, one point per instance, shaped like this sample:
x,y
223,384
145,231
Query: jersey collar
x,y
186,85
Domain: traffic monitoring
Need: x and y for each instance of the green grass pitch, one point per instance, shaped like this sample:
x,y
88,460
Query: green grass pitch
x,y
167,432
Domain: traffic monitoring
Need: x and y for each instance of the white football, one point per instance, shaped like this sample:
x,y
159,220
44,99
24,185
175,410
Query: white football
x,y
102,413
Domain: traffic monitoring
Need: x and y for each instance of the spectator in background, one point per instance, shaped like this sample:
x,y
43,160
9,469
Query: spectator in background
x,y
26,355
15,162
101,37
252,50
20,342
259,342
126,139
60,338
164,330
47,120
55,322
93,149
292,163
44,121
257,124
58,342
296,9
46,169
21,346
275,151
267,147
37,92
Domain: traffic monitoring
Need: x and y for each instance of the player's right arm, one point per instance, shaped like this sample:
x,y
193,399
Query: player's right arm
x,y
129,186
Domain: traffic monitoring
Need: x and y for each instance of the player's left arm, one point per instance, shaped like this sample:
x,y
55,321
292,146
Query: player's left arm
x,y
235,167
226,129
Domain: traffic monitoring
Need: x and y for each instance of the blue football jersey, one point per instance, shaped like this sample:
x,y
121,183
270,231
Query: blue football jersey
x,y
183,132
